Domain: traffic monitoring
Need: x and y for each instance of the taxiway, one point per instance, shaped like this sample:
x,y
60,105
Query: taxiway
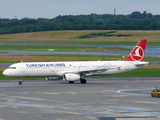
x,y
99,99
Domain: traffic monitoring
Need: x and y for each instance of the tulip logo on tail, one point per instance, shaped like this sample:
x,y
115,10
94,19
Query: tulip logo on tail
x,y
137,54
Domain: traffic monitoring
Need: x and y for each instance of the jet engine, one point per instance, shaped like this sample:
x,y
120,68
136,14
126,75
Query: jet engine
x,y
53,78
71,77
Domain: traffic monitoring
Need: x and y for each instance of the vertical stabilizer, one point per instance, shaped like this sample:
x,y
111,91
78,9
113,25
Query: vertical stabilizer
x,y
137,53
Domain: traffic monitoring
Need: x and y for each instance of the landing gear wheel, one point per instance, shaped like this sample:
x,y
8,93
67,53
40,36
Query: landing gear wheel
x,y
83,81
71,82
20,82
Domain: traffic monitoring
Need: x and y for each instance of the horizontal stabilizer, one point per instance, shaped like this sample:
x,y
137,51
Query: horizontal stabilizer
x,y
141,64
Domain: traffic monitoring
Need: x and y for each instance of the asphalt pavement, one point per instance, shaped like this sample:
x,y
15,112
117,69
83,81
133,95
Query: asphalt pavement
x,y
99,99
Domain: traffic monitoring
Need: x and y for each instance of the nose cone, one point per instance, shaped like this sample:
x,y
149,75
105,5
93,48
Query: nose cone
x,y
6,73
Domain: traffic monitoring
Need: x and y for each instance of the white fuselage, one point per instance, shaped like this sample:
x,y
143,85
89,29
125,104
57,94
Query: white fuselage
x,y
58,69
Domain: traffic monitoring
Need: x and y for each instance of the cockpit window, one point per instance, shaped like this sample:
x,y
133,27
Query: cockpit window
x,y
11,67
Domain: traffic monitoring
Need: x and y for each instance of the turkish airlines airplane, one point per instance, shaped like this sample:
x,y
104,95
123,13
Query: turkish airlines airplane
x,y
76,71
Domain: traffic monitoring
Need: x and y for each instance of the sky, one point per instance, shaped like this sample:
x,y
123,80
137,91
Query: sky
x,y
52,8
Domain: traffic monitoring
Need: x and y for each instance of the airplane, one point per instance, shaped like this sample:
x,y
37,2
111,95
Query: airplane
x,y
76,70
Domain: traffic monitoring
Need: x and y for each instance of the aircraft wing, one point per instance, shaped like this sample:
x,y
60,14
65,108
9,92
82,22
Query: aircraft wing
x,y
85,72
89,71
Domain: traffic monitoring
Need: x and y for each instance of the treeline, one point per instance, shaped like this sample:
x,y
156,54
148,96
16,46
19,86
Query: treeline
x,y
134,21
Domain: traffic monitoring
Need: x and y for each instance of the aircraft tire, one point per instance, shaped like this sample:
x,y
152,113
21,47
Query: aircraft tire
x,y
71,82
83,81
20,82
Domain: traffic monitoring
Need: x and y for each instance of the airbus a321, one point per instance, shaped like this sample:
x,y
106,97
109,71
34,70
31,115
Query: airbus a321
x,y
76,71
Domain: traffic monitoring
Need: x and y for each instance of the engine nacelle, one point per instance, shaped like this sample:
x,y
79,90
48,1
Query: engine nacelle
x,y
53,78
71,77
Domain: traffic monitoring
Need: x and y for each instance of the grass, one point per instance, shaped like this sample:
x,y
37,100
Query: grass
x,y
141,73
61,48
68,37
49,58
80,42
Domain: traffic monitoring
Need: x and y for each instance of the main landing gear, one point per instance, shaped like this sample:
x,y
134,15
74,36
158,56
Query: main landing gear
x,y
21,81
71,82
83,81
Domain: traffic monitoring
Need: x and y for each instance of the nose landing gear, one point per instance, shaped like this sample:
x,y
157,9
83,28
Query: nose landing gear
x,y
21,81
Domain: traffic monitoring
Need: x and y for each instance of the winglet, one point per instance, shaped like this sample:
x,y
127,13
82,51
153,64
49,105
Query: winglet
x,y
137,53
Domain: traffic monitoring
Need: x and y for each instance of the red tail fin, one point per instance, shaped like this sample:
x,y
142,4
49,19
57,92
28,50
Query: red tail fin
x,y
137,53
